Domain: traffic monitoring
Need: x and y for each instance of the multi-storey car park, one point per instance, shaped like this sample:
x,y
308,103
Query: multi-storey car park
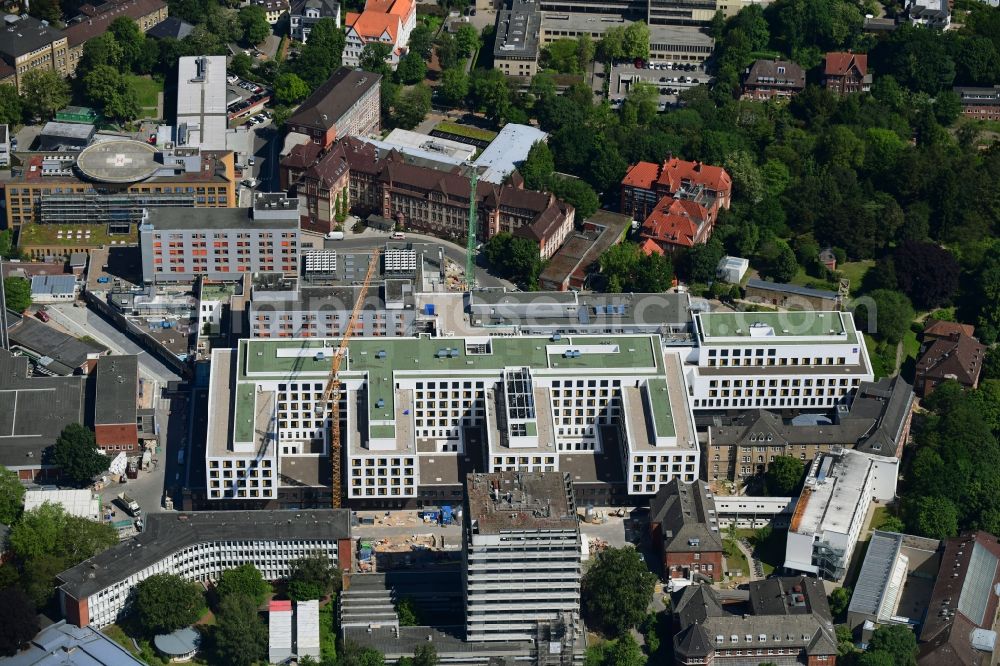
x,y
420,413
774,360
200,546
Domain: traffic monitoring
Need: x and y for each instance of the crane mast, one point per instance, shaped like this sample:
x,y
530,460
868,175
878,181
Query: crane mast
x,y
331,394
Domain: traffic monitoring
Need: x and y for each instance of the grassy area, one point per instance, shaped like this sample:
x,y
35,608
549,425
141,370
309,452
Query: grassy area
x,y
770,551
879,516
466,131
735,559
327,633
855,271
883,357
117,634
803,279
147,90
911,346
48,234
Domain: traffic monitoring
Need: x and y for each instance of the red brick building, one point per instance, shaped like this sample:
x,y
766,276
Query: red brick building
x,y
347,104
846,73
677,202
980,103
682,521
115,423
773,79
950,353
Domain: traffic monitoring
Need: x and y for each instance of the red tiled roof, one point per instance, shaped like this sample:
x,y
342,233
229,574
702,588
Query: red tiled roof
x,y
673,172
839,64
370,26
675,221
641,175
649,247
280,605
943,329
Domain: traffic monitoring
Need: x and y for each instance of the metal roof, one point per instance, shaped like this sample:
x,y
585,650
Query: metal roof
x,y
53,284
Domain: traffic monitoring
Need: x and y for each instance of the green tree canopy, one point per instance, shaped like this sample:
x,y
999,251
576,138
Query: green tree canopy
x,y
454,86
409,614
425,655
289,88
783,476
136,56
11,496
885,314
17,293
896,640
18,620
616,590
538,166
412,69
322,54
245,580
166,602
240,634
313,577
77,454
240,65
421,41
113,93
514,258
578,193
412,106
254,25
839,600
466,40
11,105
44,92
374,58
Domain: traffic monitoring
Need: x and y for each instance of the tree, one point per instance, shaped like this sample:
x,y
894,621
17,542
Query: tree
x,y
412,106
107,88
447,51
926,272
775,259
289,88
313,577
538,166
616,590
135,55
101,50
618,265
896,640
783,476
409,615
466,40
875,658
700,261
254,25
635,40
422,41
411,69
47,10
11,496
49,530
626,652
514,257
44,92
11,105
887,315
240,65
355,655
562,56
425,655
321,54
893,524
839,600
576,192
934,516
373,58
454,86
245,580
18,620
77,454
240,635
166,602
491,93
17,293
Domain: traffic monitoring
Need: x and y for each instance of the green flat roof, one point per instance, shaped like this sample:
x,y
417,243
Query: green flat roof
x,y
659,400
383,431
245,406
531,428
776,327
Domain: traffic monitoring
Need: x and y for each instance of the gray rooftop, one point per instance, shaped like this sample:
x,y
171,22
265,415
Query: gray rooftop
x,y
34,410
167,219
168,533
117,379
63,644
506,152
794,289
687,518
24,34
517,501
52,284
118,161
59,353
77,131
517,30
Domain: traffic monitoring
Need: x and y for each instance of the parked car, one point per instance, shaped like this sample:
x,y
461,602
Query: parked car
x,y
43,315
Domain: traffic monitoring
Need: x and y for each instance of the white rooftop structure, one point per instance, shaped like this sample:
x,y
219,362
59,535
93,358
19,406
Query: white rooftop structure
x,y
831,509
307,629
81,503
279,631
201,102
732,269
507,150
402,138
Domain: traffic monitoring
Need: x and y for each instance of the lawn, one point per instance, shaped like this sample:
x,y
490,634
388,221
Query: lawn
x,y
771,551
147,90
327,633
883,362
855,271
735,559
117,634
879,516
466,131
803,279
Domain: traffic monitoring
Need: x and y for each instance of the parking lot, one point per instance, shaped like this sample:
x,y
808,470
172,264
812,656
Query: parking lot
x,y
669,78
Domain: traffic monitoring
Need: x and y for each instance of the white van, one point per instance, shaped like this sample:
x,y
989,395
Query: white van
x,y
397,235
335,235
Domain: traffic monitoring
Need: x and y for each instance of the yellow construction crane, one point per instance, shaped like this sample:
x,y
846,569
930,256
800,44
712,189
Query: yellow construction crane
x,y
331,394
